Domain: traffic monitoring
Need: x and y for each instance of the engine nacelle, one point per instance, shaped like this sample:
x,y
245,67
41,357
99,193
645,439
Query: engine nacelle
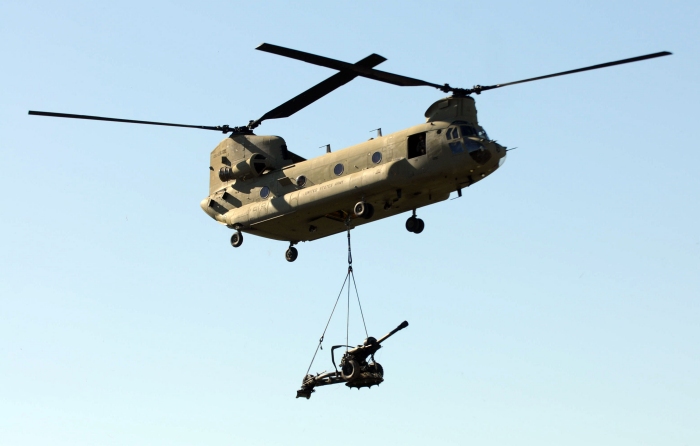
x,y
241,157
250,168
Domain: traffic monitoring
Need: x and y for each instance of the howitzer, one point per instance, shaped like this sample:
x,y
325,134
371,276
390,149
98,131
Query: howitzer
x,y
355,370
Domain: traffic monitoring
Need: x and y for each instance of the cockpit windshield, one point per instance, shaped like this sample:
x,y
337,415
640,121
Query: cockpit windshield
x,y
468,130
460,135
464,129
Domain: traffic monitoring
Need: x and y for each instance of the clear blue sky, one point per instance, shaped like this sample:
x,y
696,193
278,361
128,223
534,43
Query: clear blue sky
x,y
556,302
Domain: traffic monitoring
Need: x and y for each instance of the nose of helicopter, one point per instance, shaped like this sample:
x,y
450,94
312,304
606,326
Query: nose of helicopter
x,y
500,154
491,157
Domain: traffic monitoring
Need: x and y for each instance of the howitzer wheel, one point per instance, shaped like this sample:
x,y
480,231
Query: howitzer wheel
x,y
376,368
368,378
350,370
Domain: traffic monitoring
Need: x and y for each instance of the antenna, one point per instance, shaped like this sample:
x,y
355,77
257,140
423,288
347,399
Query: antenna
x,y
379,132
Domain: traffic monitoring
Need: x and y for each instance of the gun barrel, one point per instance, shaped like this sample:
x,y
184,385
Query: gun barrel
x,y
401,326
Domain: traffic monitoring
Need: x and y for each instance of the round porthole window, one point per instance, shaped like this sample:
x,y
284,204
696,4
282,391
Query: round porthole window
x,y
338,169
265,192
301,181
377,157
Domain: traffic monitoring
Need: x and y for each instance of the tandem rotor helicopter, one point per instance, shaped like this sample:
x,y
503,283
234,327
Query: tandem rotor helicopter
x,y
258,186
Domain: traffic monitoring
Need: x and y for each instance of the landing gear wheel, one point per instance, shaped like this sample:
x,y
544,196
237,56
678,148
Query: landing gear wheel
x,y
415,225
291,254
419,228
237,239
411,224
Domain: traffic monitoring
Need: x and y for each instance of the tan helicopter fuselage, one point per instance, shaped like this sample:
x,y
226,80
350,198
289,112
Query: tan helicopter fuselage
x,y
259,187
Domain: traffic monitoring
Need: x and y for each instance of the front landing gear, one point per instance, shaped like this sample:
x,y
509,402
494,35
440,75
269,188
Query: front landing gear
x,y
237,239
291,254
415,224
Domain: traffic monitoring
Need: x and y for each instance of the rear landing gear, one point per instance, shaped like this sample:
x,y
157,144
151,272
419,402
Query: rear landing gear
x,y
291,254
237,239
415,224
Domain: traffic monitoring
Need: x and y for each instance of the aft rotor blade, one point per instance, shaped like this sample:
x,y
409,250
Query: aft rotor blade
x,y
478,89
370,73
222,128
318,91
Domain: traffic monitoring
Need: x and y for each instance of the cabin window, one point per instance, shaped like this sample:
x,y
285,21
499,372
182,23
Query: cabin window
x,y
416,145
377,157
301,181
265,192
338,169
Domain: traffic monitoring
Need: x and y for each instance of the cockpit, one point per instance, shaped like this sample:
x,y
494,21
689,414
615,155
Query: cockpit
x,y
462,129
459,136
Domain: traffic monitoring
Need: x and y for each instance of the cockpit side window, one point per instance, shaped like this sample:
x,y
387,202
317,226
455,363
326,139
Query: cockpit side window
x,y
451,133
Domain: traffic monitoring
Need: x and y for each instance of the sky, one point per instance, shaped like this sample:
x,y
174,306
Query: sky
x,y
555,302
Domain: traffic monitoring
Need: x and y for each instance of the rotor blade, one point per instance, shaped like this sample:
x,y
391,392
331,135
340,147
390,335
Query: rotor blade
x,y
592,67
370,73
318,91
223,128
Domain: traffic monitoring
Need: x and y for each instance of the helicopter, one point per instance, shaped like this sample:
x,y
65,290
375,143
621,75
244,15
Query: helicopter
x,y
260,187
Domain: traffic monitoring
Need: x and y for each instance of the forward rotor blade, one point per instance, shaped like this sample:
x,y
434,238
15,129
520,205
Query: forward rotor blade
x,y
318,91
578,70
223,128
370,73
